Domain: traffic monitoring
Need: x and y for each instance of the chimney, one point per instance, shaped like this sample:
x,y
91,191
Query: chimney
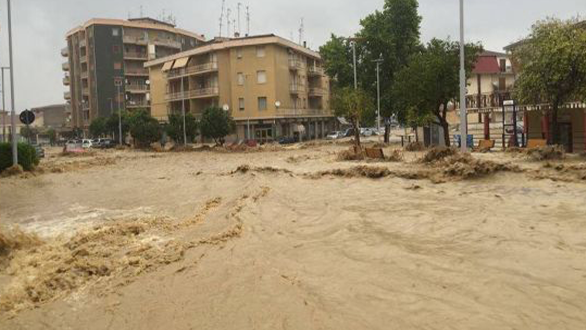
x,y
305,44
236,34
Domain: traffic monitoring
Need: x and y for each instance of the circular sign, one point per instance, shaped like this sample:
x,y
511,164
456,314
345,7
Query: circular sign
x,y
27,117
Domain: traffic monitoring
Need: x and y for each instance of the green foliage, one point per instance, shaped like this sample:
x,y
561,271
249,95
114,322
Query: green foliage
x,y
353,104
51,134
337,57
144,128
216,124
423,89
28,132
175,127
27,156
552,66
113,122
98,127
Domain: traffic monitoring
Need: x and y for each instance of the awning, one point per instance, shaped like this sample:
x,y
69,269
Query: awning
x,y
167,66
343,121
181,63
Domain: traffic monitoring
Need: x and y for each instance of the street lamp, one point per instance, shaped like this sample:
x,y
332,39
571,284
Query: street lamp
x,y
378,62
353,43
463,128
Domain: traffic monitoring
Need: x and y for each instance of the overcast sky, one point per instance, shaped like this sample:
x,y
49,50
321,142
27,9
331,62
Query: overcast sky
x,y
39,27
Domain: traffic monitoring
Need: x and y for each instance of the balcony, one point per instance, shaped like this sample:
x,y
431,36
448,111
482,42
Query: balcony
x,y
135,40
193,94
486,100
84,74
296,88
316,92
295,64
136,88
83,58
135,56
193,70
302,112
65,52
136,72
82,43
137,104
167,43
315,71
65,66
66,81
67,95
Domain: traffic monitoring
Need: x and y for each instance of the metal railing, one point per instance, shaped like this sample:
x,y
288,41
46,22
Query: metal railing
x,y
137,71
486,100
193,70
193,93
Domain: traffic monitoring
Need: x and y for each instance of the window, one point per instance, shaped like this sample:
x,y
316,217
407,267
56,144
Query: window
x,y
117,66
240,79
239,53
115,32
241,104
262,103
115,49
261,77
260,51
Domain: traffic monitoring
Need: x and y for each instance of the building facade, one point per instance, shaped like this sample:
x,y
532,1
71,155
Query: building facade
x,y
56,116
271,86
104,69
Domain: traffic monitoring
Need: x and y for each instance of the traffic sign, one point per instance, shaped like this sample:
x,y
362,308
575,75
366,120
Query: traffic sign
x,y
27,117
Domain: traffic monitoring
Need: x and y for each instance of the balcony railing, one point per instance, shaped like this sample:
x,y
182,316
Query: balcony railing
x,y
486,100
167,43
193,70
82,43
137,104
135,40
295,64
65,66
194,93
135,55
296,88
84,74
315,70
67,95
66,81
302,112
316,91
136,72
65,52
136,88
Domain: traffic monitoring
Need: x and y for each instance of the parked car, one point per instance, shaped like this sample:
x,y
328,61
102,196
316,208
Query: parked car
x,y
287,140
366,132
334,135
349,132
107,144
86,143
40,151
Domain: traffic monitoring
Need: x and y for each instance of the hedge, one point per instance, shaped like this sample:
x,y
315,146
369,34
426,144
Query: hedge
x,y
27,156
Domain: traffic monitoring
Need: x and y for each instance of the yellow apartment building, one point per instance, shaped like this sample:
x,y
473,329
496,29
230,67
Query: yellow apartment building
x,y
271,86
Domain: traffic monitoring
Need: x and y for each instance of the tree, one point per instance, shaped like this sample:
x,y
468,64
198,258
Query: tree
x,y
28,132
393,36
98,127
216,124
552,67
175,127
352,104
144,128
424,89
51,134
112,124
337,58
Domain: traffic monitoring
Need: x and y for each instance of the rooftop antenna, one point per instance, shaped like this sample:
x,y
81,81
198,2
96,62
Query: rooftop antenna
x,y
228,20
234,27
301,30
239,5
247,21
141,12
222,16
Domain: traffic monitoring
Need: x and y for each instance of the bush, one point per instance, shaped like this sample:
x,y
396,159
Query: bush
x,y
144,129
27,156
175,127
216,124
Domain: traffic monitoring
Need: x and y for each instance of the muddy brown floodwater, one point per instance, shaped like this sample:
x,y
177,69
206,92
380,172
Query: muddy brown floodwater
x,y
294,238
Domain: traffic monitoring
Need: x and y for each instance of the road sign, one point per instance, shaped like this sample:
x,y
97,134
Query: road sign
x,y
27,117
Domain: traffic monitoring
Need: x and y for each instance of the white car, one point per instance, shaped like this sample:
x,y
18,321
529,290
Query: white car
x,y
86,143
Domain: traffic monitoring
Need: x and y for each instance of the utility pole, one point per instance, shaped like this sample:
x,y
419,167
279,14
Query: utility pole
x,y
3,104
13,112
378,63
354,60
183,112
463,119
118,83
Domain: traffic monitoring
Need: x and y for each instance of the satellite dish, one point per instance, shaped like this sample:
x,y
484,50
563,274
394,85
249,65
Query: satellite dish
x,y
226,107
278,104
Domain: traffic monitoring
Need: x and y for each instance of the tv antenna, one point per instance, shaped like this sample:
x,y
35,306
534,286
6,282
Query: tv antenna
x,y
141,12
301,30
247,21
222,16
239,5
229,21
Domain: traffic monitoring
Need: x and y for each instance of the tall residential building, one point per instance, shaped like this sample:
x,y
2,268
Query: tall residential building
x,y
104,53
271,86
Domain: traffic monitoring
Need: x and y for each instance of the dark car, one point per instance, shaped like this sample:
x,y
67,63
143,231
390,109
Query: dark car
x,y
107,144
287,140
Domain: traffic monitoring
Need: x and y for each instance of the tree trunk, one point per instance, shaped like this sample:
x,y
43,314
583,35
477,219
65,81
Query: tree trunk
x,y
555,133
387,133
446,130
416,134
356,134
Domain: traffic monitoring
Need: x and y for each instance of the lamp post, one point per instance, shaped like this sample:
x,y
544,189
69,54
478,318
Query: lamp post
x,y
463,128
4,104
378,62
13,112
118,83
